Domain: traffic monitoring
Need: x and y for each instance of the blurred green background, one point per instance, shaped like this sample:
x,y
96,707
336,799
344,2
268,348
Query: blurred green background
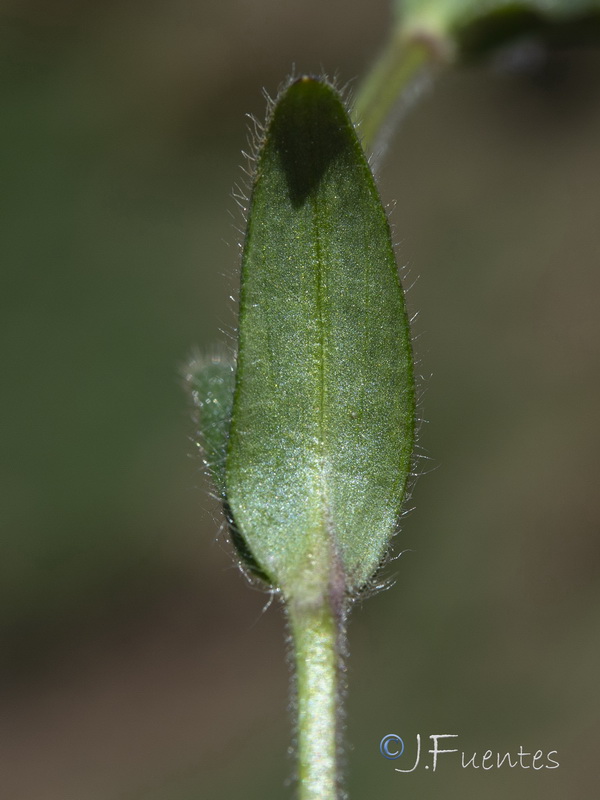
x,y
136,663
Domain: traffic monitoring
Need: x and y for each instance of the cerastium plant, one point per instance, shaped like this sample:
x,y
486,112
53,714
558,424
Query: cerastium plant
x,y
308,432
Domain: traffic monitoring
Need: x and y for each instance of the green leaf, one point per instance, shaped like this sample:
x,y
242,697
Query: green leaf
x,y
476,26
322,427
447,13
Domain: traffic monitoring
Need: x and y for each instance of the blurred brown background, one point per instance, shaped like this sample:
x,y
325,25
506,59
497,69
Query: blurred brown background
x,y
136,662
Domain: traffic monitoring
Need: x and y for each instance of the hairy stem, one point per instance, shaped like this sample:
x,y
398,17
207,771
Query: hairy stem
x,y
318,636
401,63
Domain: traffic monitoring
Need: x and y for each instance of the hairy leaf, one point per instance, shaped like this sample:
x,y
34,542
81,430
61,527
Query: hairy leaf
x,y
322,426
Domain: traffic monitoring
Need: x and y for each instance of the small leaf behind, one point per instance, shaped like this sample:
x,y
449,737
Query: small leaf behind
x,y
210,382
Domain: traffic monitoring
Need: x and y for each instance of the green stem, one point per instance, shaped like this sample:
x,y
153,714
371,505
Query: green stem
x,y
405,57
318,625
318,637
